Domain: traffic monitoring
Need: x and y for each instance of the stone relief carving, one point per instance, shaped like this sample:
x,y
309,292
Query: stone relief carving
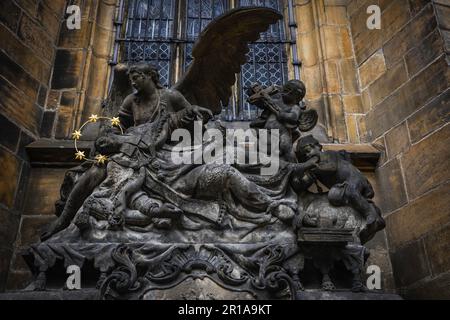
x,y
148,223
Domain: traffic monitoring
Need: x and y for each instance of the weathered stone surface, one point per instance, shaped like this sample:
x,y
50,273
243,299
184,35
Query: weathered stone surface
x,y
9,176
380,144
392,186
338,43
352,104
431,117
22,187
397,140
349,81
11,139
305,16
42,96
4,267
394,18
64,125
31,229
18,280
12,72
388,83
24,141
336,15
365,41
67,69
338,118
333,85
57,6
54,97
421,26
372,69
417,5
19,108
443,15
36,38
414,94
313,80
436,288
309,54
422,55
75,38
9,224
352,129
43,191
47,124
437,245
419,217
425,163
9,15
29,6
409,264
24,56
49,20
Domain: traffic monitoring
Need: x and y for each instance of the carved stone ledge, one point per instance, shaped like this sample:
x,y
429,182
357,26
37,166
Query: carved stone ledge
x,y
60,153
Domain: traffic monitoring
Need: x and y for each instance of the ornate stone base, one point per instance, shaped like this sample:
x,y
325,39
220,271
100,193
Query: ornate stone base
x,y
195,290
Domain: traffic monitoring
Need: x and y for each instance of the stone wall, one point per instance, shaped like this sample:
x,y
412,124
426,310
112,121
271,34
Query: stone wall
x,y
28,31
404,79
52,79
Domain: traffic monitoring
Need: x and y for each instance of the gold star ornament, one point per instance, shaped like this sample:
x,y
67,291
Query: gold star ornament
x,y
115,122
80,155
76,135
101,159
93,118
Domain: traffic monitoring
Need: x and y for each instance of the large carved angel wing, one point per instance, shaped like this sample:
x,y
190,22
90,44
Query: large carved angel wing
x,y
219,54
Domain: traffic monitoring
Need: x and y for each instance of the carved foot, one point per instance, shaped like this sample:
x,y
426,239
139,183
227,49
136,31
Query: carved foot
x,y
358,286
327,284
374,224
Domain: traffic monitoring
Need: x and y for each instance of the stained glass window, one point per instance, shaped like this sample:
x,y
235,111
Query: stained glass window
x,y
266,60
149,28
199,14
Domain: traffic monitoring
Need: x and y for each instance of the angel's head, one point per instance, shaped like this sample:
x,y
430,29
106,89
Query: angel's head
x,y
144,75
293,92
307,147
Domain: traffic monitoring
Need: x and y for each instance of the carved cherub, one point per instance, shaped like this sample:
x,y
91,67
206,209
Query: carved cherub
x,y
347,184
283,114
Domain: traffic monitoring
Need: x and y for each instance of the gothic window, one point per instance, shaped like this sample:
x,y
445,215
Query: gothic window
x,y
148,32
163,32
198,14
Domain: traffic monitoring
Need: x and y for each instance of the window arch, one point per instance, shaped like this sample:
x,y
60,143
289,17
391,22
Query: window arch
x,y
163,32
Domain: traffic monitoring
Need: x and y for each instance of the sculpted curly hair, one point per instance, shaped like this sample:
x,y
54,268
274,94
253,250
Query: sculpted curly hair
x,y
146,69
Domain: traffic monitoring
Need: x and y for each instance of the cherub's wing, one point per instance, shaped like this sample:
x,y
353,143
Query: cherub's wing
x,y
120,88
308,120
219,54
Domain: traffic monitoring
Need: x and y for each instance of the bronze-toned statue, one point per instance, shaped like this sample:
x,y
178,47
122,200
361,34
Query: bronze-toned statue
x,y
283,114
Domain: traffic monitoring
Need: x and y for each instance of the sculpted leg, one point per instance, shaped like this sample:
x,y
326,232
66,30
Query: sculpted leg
x,y
84,187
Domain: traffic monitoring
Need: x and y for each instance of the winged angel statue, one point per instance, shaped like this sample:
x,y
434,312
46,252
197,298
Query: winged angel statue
x,y
156,206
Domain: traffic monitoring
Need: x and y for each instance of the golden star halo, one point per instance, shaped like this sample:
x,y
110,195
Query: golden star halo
x,y
93,118
80,155
101,159
115,122
77,134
